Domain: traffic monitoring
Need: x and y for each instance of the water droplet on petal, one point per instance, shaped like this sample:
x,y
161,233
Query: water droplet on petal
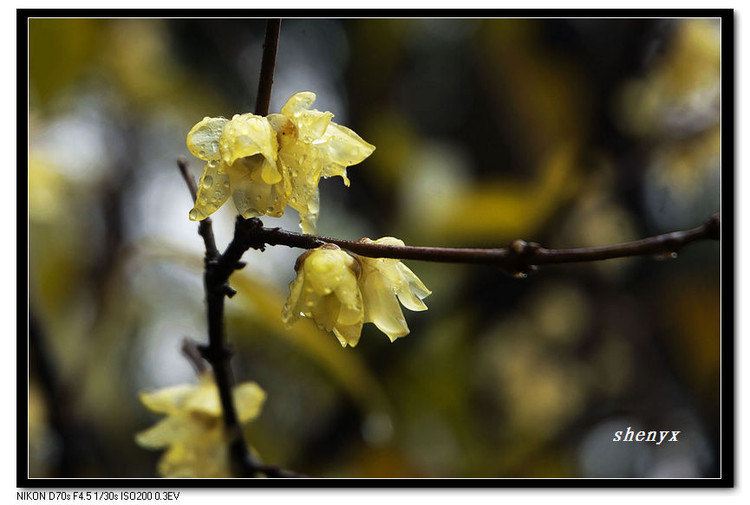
x,y
194,215
207,181
520,275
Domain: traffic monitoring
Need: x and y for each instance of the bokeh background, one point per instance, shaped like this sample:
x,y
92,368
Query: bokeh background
x,y
566,132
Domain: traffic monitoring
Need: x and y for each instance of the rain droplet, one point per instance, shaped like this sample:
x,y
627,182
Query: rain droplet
x,y
520,275
194,214
207,181
665,256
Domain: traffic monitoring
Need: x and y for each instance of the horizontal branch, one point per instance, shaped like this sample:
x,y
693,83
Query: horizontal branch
x,y
519,258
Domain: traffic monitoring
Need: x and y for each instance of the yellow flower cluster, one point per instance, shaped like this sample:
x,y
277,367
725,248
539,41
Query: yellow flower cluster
x,y
193,431
267,163
342,291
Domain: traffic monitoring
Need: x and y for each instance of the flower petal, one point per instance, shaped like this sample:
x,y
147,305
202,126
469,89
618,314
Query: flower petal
x,y
213,190
298,102
247,135
291,311
312,124
205,399
162,434
251,194
412,291
381,306
344,147
348,335
167,400
249,399
203,138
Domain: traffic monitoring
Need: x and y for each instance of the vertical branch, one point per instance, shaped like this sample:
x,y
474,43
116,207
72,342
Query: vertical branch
x,y
267,66
216,276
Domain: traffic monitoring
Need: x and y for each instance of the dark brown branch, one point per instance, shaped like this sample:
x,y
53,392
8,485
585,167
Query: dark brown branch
x,y
267,66
215,279
519,258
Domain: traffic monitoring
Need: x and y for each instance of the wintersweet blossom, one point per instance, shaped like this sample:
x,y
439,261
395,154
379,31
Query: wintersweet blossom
x,y
193,431
326,291
340,292
267,163
312,146
383,281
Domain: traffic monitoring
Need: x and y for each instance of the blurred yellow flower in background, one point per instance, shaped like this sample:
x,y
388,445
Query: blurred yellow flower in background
x,y
193,432
267,163
342,291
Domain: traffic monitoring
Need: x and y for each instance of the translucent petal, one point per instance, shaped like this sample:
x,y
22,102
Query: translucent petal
x,y
333,170
251,194
290,312
248,135
163,433
381,306
344,147
303,166
167,400
415,287
348,334
298,102
248,398
350,297
326,311
203,138
311,124
213,190
407,286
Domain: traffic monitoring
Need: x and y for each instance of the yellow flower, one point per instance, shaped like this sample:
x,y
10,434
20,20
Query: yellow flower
x,y
241,160
326,291
193,431
341,291
266,163
311,147
382,281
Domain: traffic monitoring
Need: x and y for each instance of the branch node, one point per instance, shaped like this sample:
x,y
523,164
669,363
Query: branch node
x,y
215,355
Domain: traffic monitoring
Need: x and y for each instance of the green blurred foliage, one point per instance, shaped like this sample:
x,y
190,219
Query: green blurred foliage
x,y
565,132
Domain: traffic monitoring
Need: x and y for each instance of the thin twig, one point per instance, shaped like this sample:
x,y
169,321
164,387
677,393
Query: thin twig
x,y
519,258
191,350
